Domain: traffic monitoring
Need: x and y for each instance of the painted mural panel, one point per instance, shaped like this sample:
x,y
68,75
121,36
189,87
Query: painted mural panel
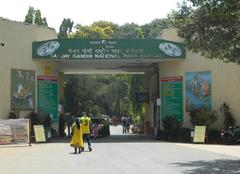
x,y
198,90
22,89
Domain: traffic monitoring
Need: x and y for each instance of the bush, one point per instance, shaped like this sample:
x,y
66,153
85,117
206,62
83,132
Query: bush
x,y
229,120
12,115
171,123
174,132
33,117
202,118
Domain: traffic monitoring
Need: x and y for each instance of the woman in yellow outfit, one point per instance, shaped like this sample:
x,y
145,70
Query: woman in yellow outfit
x,y
77,137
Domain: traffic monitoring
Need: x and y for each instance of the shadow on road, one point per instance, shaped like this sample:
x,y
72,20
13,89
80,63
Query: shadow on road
x,y
212,167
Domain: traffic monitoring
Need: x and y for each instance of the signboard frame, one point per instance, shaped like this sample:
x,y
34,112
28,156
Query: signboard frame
x,y
142,96
172,97
198,92
22,89
39,133
48,96
199,134
108,49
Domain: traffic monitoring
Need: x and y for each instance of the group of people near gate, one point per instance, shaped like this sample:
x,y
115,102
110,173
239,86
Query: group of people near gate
x,y
81,132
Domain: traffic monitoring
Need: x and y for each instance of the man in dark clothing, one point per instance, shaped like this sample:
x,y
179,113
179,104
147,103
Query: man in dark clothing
x,y
124,121
69,121
62,126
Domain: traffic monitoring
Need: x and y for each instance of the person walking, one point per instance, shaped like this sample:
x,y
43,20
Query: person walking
x,y
69,121
47,126
128,123
61,125
77,136
86,127
124,122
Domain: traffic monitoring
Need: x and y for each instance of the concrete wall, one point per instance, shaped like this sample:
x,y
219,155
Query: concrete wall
x,y
151,81
225,78
17,53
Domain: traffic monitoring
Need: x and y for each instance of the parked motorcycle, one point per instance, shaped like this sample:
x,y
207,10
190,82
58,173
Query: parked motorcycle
x,y
135,128
231,136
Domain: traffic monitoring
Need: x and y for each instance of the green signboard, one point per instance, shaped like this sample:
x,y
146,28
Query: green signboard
x,y
108,49
172,97
48,96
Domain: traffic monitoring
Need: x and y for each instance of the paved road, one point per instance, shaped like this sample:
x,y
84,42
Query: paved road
x,y
118,154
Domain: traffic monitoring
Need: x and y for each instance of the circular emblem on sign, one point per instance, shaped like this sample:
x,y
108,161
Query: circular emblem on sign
x,y
104,42
48,48
170,49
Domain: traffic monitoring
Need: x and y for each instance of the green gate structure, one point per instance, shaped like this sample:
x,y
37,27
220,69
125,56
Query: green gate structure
x,y
112,56
108,49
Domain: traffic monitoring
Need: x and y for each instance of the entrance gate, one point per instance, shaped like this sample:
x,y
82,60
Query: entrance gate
x,y
114,56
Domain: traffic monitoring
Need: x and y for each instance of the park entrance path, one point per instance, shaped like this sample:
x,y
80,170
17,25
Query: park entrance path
x,y
117,154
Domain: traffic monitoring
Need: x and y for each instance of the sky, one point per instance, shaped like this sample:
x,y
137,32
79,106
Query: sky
x,y
85,12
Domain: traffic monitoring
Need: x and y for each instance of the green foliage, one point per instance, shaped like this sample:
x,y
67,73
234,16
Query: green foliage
x,y
44,21
29,16
33,118
38,18
153,30
109,30
98,94
173,131
171,123
100,29
34,16
202,118
210,27
137,85
129,31
229,120
12,115
70,90
65,28
104,94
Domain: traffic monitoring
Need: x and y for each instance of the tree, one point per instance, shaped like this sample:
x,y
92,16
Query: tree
x,y
210,27
100,29
38,18
129,31
98,94
136,85
70,91
44,20
109,30
34,17
65,28
153,30
29,16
